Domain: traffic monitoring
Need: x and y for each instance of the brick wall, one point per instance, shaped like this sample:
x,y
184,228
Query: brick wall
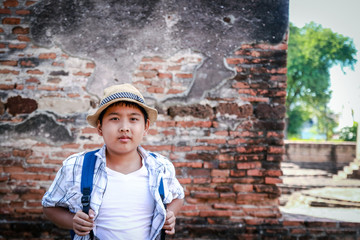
x,y
226,144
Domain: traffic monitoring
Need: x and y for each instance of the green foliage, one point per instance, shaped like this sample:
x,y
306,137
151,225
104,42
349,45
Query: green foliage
x,y
312,51
349,133
296,117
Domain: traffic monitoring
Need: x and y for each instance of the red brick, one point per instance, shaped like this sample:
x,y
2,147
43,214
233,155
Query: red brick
x,y
225,157
273,173
18,46
89,130
5,11
29,176
212,141
174,91
293,223
270,180
90,65
222,133
83,74
152,59
47,55
9,62
73,95
71,145
281,46
181,149
165,124
248,165
226,206
155,89
276,150
255,172
21,153
20,30
255,221
243,188
250,92
165,75
23,38
233,61
220,173
206,195
14,169
35,72
201,180
32,80
198,172
188,164
235,173
92,146
204,148
48,88
41,170
157,148
174,68
215,213
22,12
29,3
10,3
184,75
11,21
185,180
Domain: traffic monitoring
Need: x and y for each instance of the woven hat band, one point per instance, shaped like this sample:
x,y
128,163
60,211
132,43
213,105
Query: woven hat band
x,y
122,95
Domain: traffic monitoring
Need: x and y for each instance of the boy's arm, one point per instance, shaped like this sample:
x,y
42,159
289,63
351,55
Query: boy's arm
x,y
175,205
60,216
172,210
80,222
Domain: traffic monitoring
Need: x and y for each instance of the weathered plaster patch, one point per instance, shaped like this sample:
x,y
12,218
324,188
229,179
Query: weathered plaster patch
x,y
40,127
117,34
63,105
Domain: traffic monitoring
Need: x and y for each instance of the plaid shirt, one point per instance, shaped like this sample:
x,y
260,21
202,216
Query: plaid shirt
x,y
65,190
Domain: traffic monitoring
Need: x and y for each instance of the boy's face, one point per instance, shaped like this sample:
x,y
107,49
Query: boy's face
x,y
123,128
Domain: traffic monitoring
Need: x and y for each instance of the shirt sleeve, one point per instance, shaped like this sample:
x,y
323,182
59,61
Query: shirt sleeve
x,y
172,184
63,191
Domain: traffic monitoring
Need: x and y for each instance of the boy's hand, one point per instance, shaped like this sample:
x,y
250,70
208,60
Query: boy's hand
x,y
83,223
170,221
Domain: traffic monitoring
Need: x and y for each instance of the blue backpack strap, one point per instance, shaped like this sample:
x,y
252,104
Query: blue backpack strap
x,y
162,195
87,176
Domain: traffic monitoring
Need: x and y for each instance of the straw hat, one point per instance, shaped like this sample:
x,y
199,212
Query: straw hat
x,y
124,92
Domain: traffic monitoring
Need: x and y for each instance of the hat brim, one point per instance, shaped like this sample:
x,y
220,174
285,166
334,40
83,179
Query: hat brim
x,y
93,118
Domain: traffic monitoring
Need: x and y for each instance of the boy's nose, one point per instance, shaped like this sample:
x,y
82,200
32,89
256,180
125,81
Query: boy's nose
x,y
124,129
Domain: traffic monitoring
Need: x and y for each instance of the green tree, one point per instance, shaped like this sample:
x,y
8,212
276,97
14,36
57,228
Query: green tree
x,y
312,51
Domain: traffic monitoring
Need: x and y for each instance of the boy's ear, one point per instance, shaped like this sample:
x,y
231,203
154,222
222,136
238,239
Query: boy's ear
x,y
99,128
147,126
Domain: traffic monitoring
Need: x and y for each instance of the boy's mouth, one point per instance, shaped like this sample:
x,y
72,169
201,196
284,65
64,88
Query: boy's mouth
x,y
124,137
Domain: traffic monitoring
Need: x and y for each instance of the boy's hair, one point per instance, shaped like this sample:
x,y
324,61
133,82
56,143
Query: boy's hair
x,y
126,104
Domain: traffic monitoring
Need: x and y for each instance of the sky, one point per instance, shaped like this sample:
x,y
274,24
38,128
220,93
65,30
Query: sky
x,y
341,16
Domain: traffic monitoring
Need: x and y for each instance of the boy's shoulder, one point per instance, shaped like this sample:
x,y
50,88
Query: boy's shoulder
x,y
74,158
154,159
77,158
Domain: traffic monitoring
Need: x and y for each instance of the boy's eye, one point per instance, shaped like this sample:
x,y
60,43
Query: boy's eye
x,y
114,118
134,119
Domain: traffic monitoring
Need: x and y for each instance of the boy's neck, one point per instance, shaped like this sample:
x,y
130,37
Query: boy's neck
x,y
124,163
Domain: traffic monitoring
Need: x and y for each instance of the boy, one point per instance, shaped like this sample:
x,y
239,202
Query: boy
x,y
125,201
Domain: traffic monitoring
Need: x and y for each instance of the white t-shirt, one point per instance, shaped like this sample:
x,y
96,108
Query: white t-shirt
x,y
127,207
